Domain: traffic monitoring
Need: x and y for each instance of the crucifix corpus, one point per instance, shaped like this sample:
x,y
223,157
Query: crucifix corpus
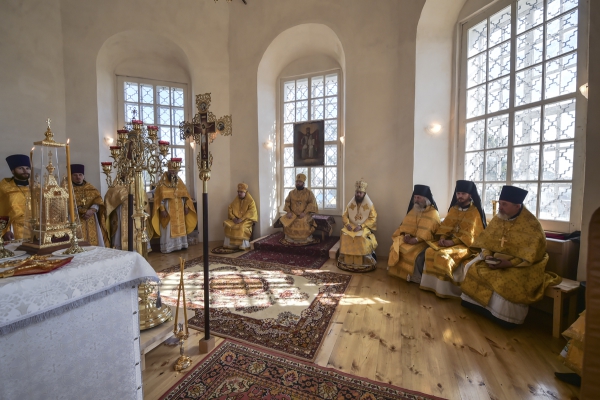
x,y
204,129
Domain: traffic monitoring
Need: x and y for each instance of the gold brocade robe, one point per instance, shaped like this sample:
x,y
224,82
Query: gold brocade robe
x,y
181,224
298,202
462,227
524,245
355,245
421,225
86,196
115,197
244,209
14,203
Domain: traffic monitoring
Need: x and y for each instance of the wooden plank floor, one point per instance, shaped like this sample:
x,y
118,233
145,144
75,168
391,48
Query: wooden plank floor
x,y
389,330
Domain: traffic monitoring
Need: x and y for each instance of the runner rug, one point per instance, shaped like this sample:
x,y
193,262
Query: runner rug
x,y
277,306
274,243
236,371
294,260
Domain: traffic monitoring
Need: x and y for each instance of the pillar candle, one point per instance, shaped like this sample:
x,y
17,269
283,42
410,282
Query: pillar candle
x,y
70,185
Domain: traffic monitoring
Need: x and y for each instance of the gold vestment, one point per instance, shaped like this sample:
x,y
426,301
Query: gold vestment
x,y
15,202
523,242
181,224
244,209
86,196
421,225
355,245
298,202
115,197
462,227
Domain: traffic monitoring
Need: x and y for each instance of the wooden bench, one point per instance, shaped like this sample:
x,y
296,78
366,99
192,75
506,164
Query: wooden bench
x,y
565,291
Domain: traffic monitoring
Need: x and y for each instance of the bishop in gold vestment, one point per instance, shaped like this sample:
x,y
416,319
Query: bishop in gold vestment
x,y
174,215
242,215
117,211
300,205
452,241
358,243
508,274
15,197
409,241
90,207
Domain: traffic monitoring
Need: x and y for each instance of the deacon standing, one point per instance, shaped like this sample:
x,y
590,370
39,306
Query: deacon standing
x,y
300,205
508,274
174,215
464,222
90,207
117,211
407,254
358,243
15,197
242,215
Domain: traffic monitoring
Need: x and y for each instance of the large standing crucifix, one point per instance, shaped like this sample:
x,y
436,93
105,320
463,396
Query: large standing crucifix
x,y
203,129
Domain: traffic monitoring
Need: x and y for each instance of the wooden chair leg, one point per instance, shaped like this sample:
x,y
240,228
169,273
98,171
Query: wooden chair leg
x,y
572,316
557,317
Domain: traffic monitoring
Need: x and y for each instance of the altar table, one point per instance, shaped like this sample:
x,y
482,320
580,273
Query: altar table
x,y
73,333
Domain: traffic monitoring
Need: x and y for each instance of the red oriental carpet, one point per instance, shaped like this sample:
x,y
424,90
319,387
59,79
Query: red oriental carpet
x,y
236,371
280,307
273,243
293,260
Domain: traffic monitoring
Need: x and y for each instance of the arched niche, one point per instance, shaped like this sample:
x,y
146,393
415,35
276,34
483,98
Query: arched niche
x,y
301,49
135,53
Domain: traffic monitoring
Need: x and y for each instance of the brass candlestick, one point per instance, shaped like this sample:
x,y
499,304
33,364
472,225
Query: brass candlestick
x,y
74,249
183,361
4,253
494,207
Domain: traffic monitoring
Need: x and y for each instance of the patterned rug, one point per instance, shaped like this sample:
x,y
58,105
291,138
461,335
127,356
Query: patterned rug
x,y
273,243
235,371
292,260
280,307
224,250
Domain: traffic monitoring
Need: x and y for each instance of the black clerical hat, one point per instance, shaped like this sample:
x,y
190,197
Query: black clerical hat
x,y
513,194
471,188
421,190
77,169
18,160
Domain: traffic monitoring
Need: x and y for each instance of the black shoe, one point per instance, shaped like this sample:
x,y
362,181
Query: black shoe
x,y
374,256
486,313
569,377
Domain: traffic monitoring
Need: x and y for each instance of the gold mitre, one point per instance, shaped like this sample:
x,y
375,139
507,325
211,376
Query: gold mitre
x,y
361,186
242,187
301,177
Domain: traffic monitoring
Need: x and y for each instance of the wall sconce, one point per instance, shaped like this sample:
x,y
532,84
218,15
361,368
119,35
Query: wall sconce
x,y
433,129
268,145
584,90
108,140
343,139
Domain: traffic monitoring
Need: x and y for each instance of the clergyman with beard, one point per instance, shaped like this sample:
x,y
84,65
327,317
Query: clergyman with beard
x,y
241,216
15,197
451,246
508,274
358,243
300,205
407,254
90,207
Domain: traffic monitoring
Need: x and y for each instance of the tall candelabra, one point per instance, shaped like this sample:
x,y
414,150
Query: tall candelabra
x,y
138,150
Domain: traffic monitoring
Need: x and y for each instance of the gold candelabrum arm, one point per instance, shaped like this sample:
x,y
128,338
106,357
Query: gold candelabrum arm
x,y
494,207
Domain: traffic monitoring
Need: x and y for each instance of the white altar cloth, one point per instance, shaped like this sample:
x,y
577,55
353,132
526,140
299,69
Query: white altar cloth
x,y
73,333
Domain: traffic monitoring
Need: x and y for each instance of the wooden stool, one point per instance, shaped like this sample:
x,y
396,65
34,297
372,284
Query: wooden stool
x,y
565,291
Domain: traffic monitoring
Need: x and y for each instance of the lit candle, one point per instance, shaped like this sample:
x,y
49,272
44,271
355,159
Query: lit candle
x,y
70,184
31,178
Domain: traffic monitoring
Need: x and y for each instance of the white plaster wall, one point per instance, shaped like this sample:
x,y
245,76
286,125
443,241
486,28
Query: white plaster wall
x,y
433,99
199,28
378,40
31,75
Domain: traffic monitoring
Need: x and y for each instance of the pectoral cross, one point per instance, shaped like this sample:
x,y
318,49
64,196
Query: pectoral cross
x,y
502,241
456,228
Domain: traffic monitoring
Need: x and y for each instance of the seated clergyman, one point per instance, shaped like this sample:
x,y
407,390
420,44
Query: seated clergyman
x,y
358,242
242,214
508,274
90,207
464,222
407,254
300,205
15,198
